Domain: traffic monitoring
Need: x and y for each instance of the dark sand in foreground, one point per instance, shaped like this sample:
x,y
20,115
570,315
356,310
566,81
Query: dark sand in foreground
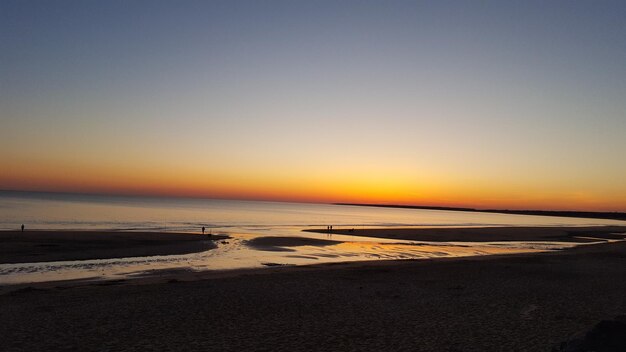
x,y
47,246
496,303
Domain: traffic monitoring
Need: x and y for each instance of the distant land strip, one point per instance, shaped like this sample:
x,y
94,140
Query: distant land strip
x,y
561,213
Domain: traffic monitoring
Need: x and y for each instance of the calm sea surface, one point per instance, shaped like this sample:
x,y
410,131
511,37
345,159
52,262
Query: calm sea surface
x,y
68,211
244,221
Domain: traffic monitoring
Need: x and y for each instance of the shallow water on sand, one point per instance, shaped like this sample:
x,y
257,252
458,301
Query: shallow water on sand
x,y
246,222
240,252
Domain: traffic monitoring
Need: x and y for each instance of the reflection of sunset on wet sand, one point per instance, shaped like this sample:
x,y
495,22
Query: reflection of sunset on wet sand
x,y
240,175
240,251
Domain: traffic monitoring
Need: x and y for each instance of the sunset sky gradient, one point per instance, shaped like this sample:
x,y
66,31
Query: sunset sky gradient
x,y
496,104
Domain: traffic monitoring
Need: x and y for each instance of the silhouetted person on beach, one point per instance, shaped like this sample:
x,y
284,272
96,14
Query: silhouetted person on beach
x,y
203,230
22,227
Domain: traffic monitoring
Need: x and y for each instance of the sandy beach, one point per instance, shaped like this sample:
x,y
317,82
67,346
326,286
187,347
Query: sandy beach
x,y
300,176
48,246
523,302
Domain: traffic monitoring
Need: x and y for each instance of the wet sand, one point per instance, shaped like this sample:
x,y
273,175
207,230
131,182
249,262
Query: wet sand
x,y
276,243
47,246
523,302
486,234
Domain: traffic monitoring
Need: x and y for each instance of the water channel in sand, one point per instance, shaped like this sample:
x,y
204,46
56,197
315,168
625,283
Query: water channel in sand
x,y
248,250
261,233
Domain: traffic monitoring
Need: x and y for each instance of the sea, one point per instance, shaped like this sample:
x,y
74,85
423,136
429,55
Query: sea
x,y
38,210
244,221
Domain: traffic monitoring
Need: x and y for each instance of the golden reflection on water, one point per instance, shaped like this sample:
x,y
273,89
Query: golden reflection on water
x,y
237,253
398,250
245,221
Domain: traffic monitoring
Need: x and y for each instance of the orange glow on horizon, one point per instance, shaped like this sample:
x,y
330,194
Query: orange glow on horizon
x,y
297,187
389,103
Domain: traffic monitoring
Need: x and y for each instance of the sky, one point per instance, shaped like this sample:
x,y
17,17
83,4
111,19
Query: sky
x,y
488,104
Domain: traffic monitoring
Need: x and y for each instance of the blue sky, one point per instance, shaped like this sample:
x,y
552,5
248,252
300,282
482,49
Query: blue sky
x,y
518,103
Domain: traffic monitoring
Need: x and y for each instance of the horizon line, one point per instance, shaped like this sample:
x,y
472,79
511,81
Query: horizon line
x,y
383,205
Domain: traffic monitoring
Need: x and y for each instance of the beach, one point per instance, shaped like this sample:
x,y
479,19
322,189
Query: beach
x,y
517,302
49,246
312,176
486,234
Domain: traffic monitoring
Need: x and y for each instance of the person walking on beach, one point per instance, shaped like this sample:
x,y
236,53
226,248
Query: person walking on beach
x,y
22,227
203,230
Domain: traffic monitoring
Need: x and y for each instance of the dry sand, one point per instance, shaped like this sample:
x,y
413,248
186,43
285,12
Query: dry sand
x,y
497,303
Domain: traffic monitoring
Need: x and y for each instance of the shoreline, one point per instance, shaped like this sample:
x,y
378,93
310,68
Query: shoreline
x,y
575,234
168,276
110,244
491,303
38,246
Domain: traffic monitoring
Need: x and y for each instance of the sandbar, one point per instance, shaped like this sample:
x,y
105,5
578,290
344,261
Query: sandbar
x,y
486,234
48,246
522,302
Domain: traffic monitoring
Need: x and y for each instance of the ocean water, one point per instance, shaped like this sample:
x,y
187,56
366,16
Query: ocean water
x,y
94,212
244,221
